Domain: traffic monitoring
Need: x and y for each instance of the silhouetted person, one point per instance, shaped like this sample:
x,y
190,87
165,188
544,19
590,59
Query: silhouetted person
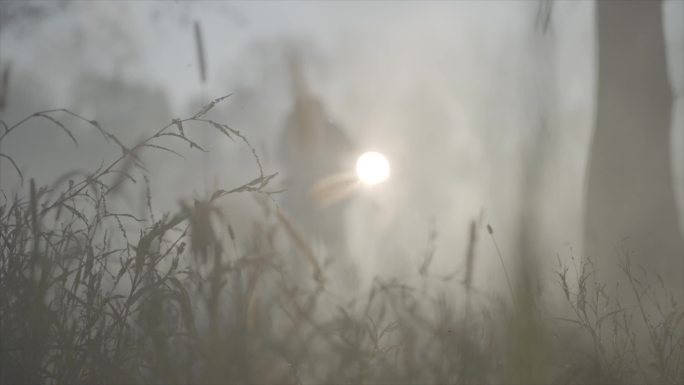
x,y
312,148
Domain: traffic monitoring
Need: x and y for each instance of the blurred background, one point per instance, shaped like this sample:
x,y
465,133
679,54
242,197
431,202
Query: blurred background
x,y
485,111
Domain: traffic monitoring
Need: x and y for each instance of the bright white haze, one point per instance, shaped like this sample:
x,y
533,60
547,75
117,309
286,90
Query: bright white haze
x,y
372,168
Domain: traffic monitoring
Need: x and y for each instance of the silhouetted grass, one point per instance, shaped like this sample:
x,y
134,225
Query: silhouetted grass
x,y
92,295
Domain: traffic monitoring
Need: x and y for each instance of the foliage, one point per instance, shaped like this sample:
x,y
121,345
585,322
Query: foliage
x,y
92,295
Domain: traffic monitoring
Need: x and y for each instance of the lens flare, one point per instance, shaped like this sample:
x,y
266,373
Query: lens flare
x,y
372,168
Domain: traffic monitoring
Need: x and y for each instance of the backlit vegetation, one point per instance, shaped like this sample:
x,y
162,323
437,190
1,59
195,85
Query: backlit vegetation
x,y
89,294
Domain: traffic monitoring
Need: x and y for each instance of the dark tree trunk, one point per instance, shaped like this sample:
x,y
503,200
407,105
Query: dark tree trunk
x,y
630,203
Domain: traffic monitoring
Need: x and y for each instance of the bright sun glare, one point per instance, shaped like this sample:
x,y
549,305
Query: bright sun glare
x,y
372,168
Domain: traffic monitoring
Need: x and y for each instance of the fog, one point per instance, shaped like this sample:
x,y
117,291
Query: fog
x,y
484,110
451,92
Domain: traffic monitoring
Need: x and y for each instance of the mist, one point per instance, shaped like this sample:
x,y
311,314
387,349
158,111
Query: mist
x,y
487,113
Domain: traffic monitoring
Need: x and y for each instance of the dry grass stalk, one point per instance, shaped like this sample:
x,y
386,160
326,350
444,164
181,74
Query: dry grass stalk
x,y
302,245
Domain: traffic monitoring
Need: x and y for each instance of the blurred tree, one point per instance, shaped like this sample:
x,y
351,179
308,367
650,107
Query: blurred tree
x,y
630,203
25,13
536,157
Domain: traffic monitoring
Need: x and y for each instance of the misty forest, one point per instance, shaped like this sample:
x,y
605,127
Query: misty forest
x,y
453,192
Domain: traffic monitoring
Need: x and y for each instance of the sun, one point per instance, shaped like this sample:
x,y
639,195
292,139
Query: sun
x,y
372,168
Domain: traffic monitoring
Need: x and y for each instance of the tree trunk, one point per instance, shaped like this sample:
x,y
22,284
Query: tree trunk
x,y
630,203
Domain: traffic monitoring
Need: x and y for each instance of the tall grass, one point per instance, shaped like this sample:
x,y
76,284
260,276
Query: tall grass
x,y
89,294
